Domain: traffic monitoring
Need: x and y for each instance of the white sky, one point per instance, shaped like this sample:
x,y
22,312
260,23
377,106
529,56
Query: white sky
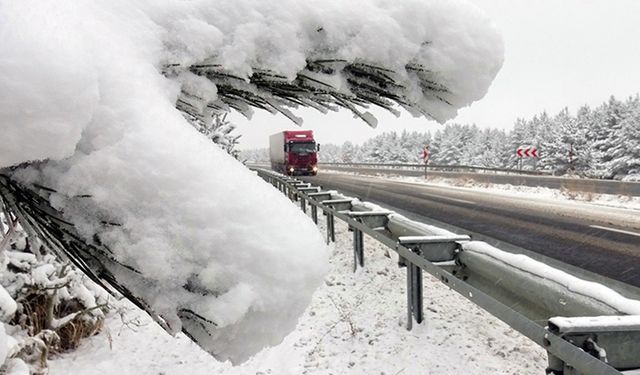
x,y
559,53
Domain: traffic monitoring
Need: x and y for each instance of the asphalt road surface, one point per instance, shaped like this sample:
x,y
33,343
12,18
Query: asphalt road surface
x,y
601,240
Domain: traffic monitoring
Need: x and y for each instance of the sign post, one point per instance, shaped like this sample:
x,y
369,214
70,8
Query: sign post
x,y
571,158
425,159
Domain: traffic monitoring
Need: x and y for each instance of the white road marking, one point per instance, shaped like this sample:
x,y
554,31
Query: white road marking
x,y
615,230
447,198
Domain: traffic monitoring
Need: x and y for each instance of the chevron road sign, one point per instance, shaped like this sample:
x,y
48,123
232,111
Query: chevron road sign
x,y
527,152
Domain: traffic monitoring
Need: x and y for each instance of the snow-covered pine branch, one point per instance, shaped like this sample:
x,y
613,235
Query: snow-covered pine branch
x,y
125,189
218,129
413,63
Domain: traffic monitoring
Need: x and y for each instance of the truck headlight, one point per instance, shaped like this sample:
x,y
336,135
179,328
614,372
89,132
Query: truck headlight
x,y
315,168
291,169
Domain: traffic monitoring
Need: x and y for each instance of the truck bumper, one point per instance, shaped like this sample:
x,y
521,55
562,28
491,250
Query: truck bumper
x,y
308,171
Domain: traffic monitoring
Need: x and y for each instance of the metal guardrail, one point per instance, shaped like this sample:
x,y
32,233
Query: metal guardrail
x,y
439,167
601,335
420,167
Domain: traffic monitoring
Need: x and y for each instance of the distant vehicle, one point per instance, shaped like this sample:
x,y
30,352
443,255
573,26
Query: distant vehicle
x,y
294,152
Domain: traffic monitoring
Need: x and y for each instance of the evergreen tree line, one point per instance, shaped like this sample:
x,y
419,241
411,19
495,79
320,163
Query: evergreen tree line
x,y
601,142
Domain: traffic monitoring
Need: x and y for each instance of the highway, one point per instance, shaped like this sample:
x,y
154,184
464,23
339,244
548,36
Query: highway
x,y
599,239
553,182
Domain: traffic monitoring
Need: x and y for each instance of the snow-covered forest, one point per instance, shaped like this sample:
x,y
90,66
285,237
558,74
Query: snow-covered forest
x,y
600,142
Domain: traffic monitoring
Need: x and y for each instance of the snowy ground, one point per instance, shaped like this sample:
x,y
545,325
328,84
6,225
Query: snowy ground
x,y
355,325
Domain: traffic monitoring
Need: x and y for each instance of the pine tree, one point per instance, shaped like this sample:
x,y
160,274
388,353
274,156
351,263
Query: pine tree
x,y
604,134
490,148
583,158
449,150
347,152
518,137
625,149
559,143
330,154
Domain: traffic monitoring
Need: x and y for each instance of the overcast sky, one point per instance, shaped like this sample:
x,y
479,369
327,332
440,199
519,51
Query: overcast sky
x,y
558,53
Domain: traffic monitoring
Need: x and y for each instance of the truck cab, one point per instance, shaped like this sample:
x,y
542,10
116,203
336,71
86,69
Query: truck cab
x,y
294,152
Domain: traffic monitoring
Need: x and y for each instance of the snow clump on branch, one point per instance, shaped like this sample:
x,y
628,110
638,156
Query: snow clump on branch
x,y
89,92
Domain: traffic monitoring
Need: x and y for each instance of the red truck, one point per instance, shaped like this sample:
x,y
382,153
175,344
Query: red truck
x,y
294,152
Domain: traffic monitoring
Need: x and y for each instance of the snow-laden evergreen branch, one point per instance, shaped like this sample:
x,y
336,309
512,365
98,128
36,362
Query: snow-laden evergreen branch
x,y
101,165
359,86
217,128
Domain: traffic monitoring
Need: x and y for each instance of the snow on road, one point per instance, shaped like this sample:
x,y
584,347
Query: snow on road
x,y
354,325
539,193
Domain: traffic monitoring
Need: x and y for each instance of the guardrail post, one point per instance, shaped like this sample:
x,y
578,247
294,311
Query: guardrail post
x,y
337,204
417,289
414,295
303,204
333,228
427,247
372,220
291,192
331,235
358,249
611,339
409,299
317,197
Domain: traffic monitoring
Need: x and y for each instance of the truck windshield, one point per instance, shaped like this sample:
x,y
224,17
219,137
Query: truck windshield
x,y
302,147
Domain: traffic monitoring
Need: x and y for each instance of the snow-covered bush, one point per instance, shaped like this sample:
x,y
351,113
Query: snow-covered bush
x,y
46,305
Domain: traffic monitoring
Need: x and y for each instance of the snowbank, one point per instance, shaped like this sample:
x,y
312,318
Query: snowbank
x,y
81,88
